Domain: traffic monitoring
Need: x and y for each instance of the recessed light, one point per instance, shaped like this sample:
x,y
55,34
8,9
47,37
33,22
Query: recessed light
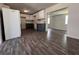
x,y
26,11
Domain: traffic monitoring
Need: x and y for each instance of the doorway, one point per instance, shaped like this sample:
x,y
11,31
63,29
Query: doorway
x,y
58,19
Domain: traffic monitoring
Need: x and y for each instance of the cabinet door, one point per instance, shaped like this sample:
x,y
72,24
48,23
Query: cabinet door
x,y
31,17
27,17
41,27
41,14
11,19
34,16
0,30
37,15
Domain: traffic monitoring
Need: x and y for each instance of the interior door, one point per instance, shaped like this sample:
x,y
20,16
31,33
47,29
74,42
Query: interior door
x,y
11,19
0,30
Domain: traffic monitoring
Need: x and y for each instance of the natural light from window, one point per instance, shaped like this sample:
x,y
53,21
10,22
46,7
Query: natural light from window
x,y
66,19
48,19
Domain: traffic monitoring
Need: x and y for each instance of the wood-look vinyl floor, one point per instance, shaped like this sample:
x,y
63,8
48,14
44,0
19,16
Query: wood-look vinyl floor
x,y
53,42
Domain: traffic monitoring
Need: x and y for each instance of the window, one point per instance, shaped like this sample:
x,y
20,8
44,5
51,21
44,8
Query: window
x,y
48,19
66,19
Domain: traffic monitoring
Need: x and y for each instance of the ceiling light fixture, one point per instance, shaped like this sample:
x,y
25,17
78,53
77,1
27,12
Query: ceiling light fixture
x,y
26,11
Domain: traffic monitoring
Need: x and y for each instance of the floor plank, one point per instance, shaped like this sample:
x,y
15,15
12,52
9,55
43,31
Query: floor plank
x,y
53,42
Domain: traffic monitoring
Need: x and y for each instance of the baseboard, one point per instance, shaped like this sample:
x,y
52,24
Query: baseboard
x,y
57,29
72,38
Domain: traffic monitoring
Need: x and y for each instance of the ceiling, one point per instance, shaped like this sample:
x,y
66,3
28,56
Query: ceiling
x,y
32,7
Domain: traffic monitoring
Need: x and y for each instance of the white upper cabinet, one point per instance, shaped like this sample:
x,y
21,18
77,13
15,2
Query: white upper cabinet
x,y
31,17
27,17
23,15
41,14
36,15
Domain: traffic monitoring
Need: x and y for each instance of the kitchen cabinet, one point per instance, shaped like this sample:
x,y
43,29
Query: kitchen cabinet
x,y
36,15
39,18
27,17
41,27
41,14
24,16
23,23
31,17
30,26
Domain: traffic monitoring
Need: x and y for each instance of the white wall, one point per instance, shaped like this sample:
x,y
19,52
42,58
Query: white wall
x,y
57,19
52,22
58,22
73,23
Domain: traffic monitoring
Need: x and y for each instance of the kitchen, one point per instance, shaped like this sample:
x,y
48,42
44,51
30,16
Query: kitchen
x,y
36,21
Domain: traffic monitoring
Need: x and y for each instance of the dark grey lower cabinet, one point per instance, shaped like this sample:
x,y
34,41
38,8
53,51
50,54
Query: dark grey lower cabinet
x,y
41,27
29,26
